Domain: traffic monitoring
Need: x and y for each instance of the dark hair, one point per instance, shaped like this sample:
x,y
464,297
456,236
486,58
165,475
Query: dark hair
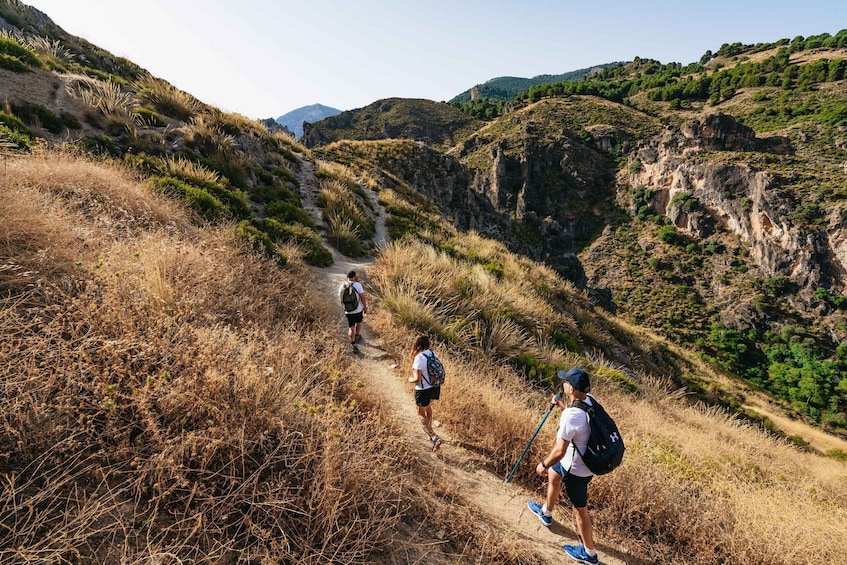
x,y
421,344
351,275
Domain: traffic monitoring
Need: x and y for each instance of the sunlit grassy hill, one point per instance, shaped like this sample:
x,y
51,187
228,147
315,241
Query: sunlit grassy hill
x,y
436,123
176,388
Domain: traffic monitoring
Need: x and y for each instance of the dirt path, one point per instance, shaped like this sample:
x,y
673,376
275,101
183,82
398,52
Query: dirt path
x,y
501,507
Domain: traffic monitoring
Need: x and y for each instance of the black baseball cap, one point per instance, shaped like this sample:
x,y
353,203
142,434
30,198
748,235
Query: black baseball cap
x,y
577,378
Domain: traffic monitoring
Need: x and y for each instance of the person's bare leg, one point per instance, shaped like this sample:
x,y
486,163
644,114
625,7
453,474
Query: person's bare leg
x,y
554,488
425,413
583,526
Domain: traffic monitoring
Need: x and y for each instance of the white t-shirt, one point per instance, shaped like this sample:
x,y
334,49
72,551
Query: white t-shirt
x,y
574,428
419,363
360,289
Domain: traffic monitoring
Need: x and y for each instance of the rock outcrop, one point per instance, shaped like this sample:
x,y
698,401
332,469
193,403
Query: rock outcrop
x,y
736,197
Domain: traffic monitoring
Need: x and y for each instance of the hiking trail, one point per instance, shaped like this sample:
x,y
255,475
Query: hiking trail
x,y
501,508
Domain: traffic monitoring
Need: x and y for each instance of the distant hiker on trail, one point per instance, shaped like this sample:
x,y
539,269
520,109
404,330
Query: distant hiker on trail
x,y
564,465
425,389
352,296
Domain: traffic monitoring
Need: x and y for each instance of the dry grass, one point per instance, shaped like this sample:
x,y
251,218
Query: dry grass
x,y
186,170
107,97
343,206
204,131
167,99
696,485
168,397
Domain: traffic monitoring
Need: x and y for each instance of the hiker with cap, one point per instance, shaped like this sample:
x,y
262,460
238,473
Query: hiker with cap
x,y
564,465
352,296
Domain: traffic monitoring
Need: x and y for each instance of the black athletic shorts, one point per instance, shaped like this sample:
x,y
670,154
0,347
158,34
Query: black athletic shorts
x,y
576,488
353,319
425,396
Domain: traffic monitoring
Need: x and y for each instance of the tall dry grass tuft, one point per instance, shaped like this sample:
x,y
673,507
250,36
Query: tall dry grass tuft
x,y
168,396
167,99
187,170
351,228
107,97
206,133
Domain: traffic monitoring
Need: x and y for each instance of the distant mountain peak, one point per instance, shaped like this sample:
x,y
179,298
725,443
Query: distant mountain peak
x,y
294,119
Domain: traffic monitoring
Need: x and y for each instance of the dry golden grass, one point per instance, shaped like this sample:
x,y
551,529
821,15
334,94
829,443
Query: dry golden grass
x,y
186,170
204,131
169,397
107,97
167,99
696,485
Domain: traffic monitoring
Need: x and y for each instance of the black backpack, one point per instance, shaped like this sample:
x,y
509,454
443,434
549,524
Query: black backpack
x,y
350,297
605,448
435,370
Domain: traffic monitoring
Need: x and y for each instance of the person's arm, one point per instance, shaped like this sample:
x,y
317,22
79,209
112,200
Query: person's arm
x,y
416,373
553,457
364,302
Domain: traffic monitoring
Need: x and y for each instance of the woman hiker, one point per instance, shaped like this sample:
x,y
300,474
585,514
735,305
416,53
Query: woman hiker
x,y
425,392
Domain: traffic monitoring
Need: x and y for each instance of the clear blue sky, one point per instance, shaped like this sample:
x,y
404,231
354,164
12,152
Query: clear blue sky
x,y
263,58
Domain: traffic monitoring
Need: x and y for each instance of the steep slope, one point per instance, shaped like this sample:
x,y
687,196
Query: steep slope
x,y
393,118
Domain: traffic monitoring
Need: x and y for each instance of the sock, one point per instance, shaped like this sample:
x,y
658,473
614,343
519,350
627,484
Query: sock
x,y
545,511
590,552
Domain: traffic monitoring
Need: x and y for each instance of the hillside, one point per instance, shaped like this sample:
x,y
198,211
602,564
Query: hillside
x,y
506,88
393,118
703,202
176,385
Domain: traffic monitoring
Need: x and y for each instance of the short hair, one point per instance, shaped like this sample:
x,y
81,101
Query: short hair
x,y
351,275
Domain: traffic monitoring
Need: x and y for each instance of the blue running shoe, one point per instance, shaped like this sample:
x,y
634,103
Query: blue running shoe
x,y
535,508
578,554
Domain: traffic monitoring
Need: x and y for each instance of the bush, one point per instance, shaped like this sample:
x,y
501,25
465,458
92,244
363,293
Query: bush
x,y
12,54
149,117
198,199
669,235
14,130
315,253
288,213
38,116
260,242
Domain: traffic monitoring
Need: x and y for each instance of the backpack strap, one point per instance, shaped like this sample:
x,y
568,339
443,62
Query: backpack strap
x,y
428,357
588,409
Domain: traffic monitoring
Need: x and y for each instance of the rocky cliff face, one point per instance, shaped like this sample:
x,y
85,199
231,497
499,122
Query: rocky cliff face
x,y
737,198
545,193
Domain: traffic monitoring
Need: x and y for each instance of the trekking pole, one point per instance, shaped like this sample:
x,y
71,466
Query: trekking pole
x,y
538,429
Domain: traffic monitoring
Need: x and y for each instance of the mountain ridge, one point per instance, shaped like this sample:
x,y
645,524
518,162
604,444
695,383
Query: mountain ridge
x,y
294,119
507,87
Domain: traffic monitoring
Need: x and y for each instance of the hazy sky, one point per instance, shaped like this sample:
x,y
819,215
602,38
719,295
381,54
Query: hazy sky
x,y
263,58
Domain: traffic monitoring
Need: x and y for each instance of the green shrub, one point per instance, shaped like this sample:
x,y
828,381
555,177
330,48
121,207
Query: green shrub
x,y
11,51
315,253
270,193
149,117
38,116
100,145
12,63
198,199
260,242
669,235
287,212
14,139
837,454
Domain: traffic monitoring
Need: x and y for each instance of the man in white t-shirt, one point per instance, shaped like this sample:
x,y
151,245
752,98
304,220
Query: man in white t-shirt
x,y
564,466
354,315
